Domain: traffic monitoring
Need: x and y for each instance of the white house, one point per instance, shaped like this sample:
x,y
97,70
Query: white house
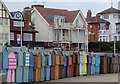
x,y
112,15
4,24
58,26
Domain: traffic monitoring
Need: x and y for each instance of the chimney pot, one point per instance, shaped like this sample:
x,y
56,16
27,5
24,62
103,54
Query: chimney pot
x,y
37,6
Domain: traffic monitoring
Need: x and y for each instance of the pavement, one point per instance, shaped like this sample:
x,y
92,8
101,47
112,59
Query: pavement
x,y
91,78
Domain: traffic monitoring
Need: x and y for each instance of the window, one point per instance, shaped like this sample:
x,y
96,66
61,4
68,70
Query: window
x,y
18,24
103,38
6,22
103,32
117,27
115,16
6,36
27,37
119,38
1,36
60,21
11,36
1,21
63,33
102,26
57,21
100,38
106,16
119,16
106,38
90,26
77,21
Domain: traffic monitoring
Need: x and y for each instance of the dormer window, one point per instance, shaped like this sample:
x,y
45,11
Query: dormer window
x,y
58,20
18,16
102,26
105,16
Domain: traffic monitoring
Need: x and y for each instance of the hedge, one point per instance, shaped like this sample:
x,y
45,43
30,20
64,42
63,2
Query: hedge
x,y
98,46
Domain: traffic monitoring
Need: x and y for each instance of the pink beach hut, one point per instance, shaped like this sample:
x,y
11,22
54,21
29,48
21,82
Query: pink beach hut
x,y
11,67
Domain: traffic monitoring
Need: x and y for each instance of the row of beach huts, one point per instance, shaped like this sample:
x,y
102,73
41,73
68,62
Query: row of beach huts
x,y
28,65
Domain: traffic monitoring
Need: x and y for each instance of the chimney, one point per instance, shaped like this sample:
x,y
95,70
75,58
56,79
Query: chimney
x,y
27,13
89,15
37,6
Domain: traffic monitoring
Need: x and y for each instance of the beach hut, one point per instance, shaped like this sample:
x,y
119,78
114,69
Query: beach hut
x,y
11,67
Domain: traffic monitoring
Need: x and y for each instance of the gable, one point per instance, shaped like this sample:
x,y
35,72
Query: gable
x,y
17,15
81,18
11,55
5,50
19,50
4,10
45,13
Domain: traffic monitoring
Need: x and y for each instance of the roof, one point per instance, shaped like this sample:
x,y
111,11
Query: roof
x,y
15,49
97,20
110,10
30,30
13,13
47,12
6,8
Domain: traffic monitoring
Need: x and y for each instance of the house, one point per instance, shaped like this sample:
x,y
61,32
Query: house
x,y
4,24
58,27
112,15
28,33
98,28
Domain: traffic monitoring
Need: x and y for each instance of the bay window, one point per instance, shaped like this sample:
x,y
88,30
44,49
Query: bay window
x,y
27,37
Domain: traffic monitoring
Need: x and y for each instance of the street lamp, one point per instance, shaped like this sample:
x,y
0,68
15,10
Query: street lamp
x,y
114,44
21,32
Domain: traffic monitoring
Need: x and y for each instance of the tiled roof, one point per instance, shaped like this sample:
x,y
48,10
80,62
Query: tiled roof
x,y
97,20
110,10
46,12
30,30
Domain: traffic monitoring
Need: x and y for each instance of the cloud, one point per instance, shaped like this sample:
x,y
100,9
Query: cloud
x,y
60,0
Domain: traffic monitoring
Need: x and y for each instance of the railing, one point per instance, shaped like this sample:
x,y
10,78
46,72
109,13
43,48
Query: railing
x,y
68,26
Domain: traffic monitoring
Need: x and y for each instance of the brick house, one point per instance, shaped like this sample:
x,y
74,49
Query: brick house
x,y
28,33
98,28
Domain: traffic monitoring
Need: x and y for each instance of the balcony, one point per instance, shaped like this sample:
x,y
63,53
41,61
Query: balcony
x,y
68,26
80,40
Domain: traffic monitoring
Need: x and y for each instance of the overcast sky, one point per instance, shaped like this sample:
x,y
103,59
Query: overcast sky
x,y
95,5
60,0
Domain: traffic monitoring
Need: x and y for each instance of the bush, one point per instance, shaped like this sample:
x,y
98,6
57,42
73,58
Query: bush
x,y
103,46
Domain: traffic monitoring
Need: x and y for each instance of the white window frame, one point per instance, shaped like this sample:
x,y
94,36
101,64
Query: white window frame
x,y
1,36
106,16
28,37
1,21
12,36
18,24
6,36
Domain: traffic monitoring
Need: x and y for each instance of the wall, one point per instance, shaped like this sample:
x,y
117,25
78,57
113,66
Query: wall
x,y
4,28
43,28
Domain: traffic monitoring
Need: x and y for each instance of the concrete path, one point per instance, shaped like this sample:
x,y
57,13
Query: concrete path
x,y
91,78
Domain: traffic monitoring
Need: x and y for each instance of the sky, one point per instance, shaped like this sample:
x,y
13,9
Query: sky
x,y
84,5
